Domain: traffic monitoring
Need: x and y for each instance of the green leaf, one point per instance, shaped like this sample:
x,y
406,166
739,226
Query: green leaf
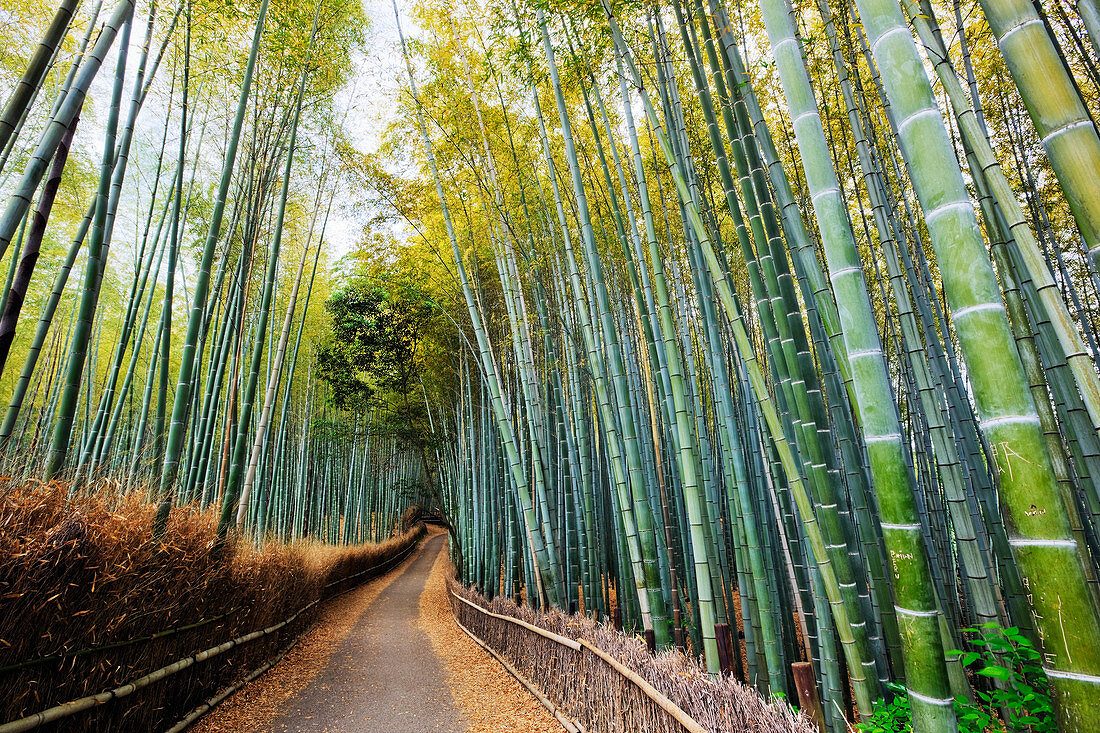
x,y
998,672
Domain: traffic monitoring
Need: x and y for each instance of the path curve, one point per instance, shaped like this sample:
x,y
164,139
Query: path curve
x,y
384,675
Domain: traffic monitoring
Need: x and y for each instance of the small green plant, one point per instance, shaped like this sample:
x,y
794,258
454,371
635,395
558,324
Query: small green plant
x,y
890,717
1021,699
1024,697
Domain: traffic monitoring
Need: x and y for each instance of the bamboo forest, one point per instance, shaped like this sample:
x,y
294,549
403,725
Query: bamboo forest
x,y
742,354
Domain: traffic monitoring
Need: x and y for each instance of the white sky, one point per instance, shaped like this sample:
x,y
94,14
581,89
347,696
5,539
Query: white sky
x,y
379,75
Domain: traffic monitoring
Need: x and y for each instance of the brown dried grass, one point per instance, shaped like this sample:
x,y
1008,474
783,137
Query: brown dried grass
x,y
82,572
588,689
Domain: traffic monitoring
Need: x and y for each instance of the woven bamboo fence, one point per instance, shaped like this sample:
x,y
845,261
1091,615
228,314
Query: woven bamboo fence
x,y
609,682
92,611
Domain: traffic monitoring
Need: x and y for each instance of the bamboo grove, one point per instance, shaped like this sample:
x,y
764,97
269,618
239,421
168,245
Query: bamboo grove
x,y
163,307
771,315
779,315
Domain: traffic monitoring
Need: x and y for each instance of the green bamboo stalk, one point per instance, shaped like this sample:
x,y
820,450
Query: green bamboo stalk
x,y
181,404
1030,501
97,252
29,84
744,346
915,596
1060,116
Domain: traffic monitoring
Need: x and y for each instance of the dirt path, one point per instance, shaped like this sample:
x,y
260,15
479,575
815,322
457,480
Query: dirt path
x,y
492,700
386,657
384,675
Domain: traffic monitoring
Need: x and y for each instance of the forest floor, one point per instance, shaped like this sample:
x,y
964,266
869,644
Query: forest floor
x,y
386,657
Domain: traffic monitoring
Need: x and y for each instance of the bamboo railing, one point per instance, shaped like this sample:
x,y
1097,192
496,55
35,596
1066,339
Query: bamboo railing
x,y
582,681
65,710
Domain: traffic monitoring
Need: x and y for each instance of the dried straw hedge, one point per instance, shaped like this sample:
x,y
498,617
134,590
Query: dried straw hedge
x,y
82,575
589,690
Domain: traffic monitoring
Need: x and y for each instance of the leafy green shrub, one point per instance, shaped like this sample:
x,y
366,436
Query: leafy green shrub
x,y
1023,695
890,717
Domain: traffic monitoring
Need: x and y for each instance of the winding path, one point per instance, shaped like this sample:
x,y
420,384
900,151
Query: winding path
x,y
384,676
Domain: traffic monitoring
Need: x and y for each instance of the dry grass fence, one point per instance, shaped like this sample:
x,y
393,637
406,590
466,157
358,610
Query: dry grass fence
x,y
582,681
88,602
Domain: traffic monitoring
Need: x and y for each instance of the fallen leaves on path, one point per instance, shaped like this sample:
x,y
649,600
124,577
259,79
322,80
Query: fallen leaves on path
x,y
259,703
491,700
